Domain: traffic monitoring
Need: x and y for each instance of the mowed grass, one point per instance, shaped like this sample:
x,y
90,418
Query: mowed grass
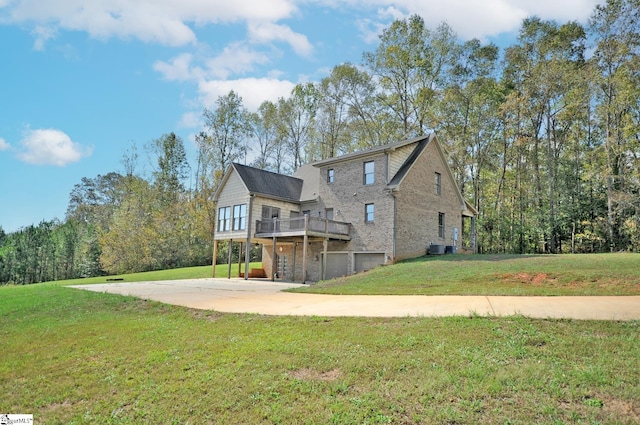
x,y
78,357
593,274
199,272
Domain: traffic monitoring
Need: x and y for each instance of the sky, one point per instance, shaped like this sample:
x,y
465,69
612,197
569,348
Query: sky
x,y
81,81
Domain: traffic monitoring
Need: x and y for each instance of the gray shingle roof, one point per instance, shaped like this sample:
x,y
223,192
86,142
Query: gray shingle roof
x,y
269,184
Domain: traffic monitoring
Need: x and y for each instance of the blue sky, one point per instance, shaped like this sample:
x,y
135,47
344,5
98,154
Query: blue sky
x,y
81,80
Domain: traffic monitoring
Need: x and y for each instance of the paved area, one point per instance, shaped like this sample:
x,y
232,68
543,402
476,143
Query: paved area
x,y
265,297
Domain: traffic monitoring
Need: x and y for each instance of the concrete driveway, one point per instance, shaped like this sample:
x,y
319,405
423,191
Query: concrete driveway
x,y
265,297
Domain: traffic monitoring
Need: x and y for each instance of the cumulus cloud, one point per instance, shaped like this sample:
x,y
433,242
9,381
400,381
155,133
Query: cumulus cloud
x,y
4,146
161,21
253,91
50,147
266,32
472,18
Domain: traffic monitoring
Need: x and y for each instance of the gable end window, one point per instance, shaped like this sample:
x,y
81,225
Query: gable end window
x,y
224,218
438,184
330,175
240,217
441,225
369,168
369,210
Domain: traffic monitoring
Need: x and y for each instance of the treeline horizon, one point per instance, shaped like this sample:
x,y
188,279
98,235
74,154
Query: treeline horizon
x,y
543,139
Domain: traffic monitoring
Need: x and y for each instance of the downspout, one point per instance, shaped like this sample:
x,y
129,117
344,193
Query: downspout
x,y
247,253
395,221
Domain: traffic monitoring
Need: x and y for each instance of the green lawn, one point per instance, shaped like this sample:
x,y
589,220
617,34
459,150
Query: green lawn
x,y
593,274
78,357
183,273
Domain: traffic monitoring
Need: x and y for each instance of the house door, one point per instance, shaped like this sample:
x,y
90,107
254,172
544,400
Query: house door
x,y
337,263
366,261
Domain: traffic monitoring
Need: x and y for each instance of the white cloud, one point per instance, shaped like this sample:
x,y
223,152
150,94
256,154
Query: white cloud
x,y
253,91
50,147
237,58
4,146
178,69
469,18
42,34
161,21
266,32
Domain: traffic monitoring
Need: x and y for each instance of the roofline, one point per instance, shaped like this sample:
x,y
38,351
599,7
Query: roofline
x,y
369,152
225,177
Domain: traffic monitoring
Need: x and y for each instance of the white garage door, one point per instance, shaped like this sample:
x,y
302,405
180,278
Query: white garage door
x,y
336,264
366,261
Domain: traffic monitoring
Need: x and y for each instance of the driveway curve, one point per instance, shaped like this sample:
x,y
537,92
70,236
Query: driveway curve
x,y
265,297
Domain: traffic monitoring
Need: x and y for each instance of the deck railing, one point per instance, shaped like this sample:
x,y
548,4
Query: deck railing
x,y
314,224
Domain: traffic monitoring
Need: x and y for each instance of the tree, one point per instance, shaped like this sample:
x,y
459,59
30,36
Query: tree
x,y
264,128
616,29
172,167
411,64
227,128
296,116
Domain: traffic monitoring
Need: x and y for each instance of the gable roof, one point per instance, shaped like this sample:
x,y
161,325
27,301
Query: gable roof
x,y
265,183
408,163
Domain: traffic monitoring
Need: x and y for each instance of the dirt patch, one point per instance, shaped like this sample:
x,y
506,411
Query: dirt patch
x,y
208,315
537,279
622,409
306,374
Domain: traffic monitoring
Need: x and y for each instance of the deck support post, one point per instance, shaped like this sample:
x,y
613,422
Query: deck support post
x,y
229,264
215,255
325,244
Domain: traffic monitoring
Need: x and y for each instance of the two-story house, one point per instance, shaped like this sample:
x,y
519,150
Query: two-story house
x,y
346,214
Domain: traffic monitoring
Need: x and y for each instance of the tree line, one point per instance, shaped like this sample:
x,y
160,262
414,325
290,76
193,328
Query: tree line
x,y
543,138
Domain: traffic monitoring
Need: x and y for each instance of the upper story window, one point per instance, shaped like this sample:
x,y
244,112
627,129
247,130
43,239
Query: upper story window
x,y
369,210
441,225
369,168
224,219
240,217
438,184
330,175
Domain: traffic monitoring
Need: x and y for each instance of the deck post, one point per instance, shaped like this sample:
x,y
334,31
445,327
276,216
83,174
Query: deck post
x,y
293,262
247,254
215,255
325,243
240,260
229,264
305,242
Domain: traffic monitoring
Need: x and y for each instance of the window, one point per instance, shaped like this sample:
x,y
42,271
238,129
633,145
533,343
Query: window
x,y
441,225
240,217
330,175
369,168
438,184
368,213
224,217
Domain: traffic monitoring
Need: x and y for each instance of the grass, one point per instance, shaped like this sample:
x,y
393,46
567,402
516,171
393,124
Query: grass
x,y
79,357
199,272
594,274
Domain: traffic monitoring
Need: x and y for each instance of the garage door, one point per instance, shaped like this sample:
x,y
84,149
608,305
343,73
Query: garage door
x,y
336,264
367,261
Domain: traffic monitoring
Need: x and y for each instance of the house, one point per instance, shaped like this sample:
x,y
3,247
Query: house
x,y
347,214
